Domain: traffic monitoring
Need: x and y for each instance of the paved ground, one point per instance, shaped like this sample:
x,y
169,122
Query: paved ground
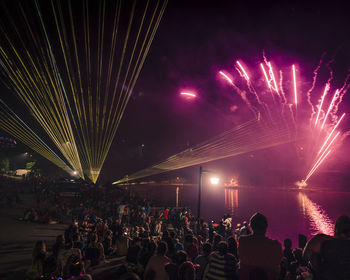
x,y
17,239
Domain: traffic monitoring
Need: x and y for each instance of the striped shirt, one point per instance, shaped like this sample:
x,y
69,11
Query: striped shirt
x,y
221,267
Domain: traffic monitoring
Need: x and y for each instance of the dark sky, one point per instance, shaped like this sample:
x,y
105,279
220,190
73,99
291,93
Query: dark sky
x,y
195,39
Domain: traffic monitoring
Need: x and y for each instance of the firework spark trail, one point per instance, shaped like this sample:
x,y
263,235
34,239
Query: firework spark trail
x,y
295,86
241,93
314,169
275,87
314,79
245,75
272,85
335,96
321,103
266,77
330,134
283,94
325,150
268,81
226,77
342,92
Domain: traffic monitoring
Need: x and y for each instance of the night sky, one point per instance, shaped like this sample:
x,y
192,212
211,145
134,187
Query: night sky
x,y
194,41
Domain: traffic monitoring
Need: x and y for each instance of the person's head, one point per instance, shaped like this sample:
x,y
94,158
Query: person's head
x,y
39,249
189,238
287,243
302,240
342,227
162,248
298,254
231,242
60,239
186,271
76,238
152,247
217,238
222,247
206,249
258,223
93,237
180,257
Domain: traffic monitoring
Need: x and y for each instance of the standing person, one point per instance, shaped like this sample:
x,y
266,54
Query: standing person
x,y
155,268
258,254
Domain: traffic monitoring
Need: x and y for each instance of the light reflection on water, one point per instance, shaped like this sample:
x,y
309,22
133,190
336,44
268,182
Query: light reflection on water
x,y
289,212
231,201
318,218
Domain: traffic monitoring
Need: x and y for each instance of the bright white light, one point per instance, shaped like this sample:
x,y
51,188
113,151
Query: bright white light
x,y
75,172
214,180
188,94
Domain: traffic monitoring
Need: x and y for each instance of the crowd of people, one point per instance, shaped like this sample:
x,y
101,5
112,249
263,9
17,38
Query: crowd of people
x,y
154,243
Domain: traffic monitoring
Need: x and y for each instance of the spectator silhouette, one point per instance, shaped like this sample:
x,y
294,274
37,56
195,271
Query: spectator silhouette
x,y
259,255
155,268
329,256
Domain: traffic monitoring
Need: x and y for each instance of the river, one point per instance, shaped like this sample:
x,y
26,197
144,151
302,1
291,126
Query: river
x,y
289,211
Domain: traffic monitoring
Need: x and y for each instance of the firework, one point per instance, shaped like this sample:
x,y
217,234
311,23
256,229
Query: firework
x,y
189,94
227,78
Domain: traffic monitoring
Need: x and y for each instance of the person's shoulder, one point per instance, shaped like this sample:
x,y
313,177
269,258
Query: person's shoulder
x,y
231,257
245,238
273,242
321,236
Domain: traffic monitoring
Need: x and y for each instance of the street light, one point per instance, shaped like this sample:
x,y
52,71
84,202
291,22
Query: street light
x,y
213,180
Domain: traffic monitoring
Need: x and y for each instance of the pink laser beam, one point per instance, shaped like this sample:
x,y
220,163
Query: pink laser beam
x,y
330,134
295,86
322,99
244,72
226,77
330,107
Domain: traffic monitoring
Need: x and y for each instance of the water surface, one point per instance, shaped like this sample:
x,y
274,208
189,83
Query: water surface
x,y
289,212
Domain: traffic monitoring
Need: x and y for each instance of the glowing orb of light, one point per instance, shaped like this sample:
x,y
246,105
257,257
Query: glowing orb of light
x,y
214,180
188,94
